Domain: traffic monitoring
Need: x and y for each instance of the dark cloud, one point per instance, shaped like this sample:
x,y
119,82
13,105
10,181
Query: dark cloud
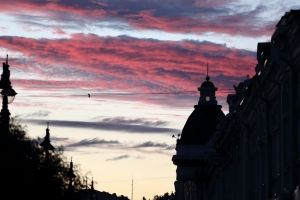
x,y
109,126
138,121
53,138
93,142
153,144
145,147
118,158
40,114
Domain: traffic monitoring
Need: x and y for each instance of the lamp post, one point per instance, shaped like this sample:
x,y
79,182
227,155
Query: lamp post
x,y
8,95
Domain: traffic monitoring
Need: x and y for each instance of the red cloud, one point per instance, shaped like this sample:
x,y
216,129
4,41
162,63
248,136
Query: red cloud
x,y
128,64
166,62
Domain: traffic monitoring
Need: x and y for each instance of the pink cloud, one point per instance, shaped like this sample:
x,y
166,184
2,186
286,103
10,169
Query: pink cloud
x,y
59,31
134,56
211,17
127,64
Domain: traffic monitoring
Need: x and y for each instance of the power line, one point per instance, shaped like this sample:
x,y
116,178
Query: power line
x,y
118,94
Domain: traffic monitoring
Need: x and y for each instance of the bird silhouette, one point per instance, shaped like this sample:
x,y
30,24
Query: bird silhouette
x,y
89,95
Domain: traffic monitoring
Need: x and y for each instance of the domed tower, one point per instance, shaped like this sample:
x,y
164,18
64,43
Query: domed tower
x,y
191,147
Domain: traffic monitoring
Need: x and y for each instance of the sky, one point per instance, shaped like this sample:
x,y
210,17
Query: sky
x,y
141,61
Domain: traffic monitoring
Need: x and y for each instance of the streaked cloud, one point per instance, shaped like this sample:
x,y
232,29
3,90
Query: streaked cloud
x,y
153,144
125,63
108,126
38,114
59,139
198,17
118,158
144,147
136,121
93,142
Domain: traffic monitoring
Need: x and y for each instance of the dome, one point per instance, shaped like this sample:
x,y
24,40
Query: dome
x,y
207,84
202,123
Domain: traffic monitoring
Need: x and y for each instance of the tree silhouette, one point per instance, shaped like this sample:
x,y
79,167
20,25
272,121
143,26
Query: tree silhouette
x,y
24,174
163,197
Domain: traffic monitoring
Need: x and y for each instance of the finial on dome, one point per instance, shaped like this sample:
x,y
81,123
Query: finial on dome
x,y
207,77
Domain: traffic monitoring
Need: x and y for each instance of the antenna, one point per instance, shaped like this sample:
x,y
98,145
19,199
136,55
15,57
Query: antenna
x,y
207,69
207,77
132,189
6,59
48,125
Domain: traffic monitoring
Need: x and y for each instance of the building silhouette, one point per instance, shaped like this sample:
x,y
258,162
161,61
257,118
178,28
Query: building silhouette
x,y
254,151
191,146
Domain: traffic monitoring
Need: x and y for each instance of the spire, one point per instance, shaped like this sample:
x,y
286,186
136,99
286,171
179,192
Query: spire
x,y
46,143
71,176
6,59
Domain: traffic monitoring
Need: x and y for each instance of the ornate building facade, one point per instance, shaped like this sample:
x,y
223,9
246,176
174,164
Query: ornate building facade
x,y
254,152
191,147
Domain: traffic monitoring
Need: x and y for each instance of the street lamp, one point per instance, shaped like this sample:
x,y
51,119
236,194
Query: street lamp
x,y
8,95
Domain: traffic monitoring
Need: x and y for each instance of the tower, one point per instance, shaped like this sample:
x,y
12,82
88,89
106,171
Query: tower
x,y
71,177
191,148
47,170
47,146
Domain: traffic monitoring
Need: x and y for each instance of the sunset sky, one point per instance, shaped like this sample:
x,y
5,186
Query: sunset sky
x,y
141,61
